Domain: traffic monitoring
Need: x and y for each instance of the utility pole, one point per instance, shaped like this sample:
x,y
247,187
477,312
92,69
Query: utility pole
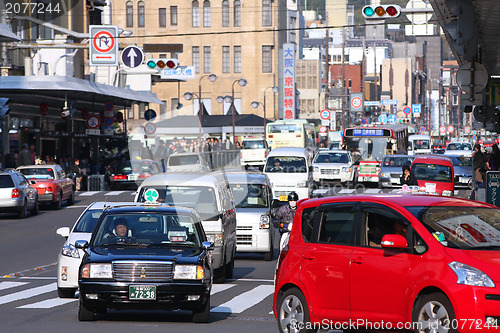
x,y
327,67
375,69
363,67
344,91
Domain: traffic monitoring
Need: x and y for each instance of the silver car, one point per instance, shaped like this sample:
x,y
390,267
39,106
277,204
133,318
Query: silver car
x,y
334,165
16,194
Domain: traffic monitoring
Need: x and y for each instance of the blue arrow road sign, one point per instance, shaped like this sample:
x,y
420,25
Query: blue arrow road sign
x,y
392,118
132,56
382,118
149,114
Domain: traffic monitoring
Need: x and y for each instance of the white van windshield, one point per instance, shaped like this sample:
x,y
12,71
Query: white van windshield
x,y
200,198
286,164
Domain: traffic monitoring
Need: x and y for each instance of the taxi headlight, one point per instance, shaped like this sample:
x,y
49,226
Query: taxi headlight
x,y
188,272
215,238
470,276
386,175
97,271
264,222
316,169
346,169
302,184
69,250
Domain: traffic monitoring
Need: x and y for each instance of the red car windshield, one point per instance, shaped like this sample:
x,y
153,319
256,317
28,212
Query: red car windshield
x,y
38,173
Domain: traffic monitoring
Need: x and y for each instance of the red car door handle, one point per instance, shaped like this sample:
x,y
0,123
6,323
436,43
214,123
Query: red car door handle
x,y
309,256
358,260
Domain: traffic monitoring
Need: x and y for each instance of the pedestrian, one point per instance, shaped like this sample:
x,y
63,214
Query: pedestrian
x,y
479,164
25,156
495,158
75,169
408,178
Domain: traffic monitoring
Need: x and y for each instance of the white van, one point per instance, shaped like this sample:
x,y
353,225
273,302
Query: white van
x,y
253,153
419,144
289,169
210,196
252,197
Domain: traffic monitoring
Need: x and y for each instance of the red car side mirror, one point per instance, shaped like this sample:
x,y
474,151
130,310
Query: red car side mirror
x,y
394,241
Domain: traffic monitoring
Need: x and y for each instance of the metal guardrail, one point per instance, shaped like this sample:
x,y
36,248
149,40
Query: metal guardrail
x,y
222,159
96,183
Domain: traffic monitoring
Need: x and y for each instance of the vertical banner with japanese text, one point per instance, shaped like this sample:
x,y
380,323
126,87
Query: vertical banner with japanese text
x,y
288,81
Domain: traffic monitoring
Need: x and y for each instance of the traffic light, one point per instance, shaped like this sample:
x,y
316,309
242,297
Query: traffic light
x,y
404,121
4,107
381,11
163,63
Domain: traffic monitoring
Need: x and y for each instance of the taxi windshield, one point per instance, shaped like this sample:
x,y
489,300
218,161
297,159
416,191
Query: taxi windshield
x,y
38,173
460,227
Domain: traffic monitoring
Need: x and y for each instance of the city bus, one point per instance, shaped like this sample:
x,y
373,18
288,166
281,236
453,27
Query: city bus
x,y
419,144
370,144
297,133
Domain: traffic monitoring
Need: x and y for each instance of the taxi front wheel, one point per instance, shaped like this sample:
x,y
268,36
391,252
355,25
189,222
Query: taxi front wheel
x,y
293,313
84,314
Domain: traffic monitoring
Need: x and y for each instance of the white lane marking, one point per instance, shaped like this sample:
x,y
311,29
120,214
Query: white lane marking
x,y
7,285
39,277
372,190
246,300
251,280
76,206
48,303
217,288
89,193
115,192
346,191
28,293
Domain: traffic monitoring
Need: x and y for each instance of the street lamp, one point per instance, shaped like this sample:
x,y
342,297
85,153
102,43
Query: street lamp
x,y
189,96
230,99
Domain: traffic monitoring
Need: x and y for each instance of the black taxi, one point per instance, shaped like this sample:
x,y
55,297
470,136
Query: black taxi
x,y
144,257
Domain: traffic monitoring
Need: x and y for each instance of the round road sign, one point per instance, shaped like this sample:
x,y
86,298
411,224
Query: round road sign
x,y
108,121
149,114
356,102
108,106
132,56
422,129
363,121
93,122
407,110
325,114
451,129
442,129
150,128
103,41
467,129
322,129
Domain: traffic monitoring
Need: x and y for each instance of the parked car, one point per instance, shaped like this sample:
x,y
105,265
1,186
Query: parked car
x,y
70,257
434,174
210,196
437,258
391,170
334,165
459,148
253,153
187,162
52,184
252,196
129,174
164,262
17,194
462,168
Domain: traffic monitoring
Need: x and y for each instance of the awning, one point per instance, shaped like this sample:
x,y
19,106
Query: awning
x,y
6,34
73,88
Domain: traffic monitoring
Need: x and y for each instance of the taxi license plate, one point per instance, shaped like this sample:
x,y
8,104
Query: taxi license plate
x,y
367,179
133,177
142,292
283,197
463,179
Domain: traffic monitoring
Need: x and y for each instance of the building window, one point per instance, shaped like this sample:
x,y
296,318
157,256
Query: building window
x,y
225,13
162,16
207,59
140,14
237,59
206,13
195,9
266,13
173,15
130,14
174,102
163,107
226,61
130,113
237,13
196,59
267,60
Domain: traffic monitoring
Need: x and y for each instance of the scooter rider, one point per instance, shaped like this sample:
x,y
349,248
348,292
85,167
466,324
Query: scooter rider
x,y
285,214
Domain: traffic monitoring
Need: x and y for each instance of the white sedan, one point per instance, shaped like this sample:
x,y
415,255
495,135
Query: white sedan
x,y
70,257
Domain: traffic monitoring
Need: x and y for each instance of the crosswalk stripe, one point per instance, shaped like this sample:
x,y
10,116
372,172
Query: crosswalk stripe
x,y
346,191
88,194
48,303
115,192
28,293
246,300
372,190
217,288
7,285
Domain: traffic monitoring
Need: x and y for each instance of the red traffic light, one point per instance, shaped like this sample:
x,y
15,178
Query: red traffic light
x,y
391,11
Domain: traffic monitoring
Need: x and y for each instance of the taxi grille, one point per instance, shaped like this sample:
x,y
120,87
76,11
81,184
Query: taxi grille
x,y
137,271
244,239
244,227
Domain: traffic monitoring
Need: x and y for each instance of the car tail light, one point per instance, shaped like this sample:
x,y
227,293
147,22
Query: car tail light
x,y
271,136
241,154
265,154
48,190
15,193
119,177
298,135
144,175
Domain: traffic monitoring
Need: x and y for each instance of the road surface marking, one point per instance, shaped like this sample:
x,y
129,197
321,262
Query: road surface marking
x,y
216,288
28,293
89,193
115,192
246,300
7,285
48,303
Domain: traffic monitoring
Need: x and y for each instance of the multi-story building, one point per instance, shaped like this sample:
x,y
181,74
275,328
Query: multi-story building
x,y
232,39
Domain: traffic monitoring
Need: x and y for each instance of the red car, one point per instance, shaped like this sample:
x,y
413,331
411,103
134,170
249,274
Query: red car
x,y
52,184
434,174
393,262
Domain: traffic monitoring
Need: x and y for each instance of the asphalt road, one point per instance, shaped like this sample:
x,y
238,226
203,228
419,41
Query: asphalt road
x,y
28,297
